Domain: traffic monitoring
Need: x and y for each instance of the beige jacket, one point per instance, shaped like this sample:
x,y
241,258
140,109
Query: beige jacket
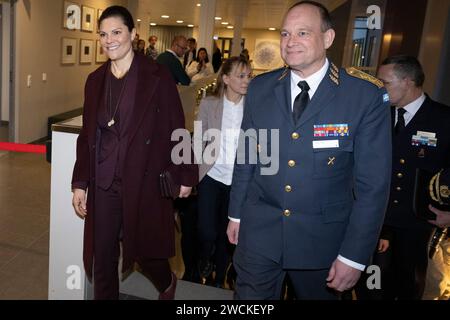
x,y
210,114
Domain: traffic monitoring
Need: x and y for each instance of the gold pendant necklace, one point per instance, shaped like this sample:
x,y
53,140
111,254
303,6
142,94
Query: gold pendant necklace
x,y
112,121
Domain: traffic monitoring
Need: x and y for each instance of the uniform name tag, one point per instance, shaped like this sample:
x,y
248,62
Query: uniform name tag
x,y
325,144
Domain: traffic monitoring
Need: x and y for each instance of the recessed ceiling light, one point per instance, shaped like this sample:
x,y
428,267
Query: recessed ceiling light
x,y
139,20
199,4
180,21
218,18
165,17
190,25
230,27
225,23
272,29
153,24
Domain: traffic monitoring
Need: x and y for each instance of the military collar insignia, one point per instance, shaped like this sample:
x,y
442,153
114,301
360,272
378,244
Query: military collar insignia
x,y
334,74
364,76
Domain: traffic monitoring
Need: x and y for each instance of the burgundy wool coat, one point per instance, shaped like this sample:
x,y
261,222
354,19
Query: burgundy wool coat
x,y
148,219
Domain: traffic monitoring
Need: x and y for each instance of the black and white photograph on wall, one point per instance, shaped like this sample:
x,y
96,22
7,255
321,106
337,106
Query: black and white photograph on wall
x,y
87,19
87,51
69,51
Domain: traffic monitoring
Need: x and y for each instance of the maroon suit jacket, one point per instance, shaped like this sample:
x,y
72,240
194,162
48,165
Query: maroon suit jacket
x,y
148,219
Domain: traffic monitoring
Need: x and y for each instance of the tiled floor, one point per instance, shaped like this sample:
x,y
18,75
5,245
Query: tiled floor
x,y
24,226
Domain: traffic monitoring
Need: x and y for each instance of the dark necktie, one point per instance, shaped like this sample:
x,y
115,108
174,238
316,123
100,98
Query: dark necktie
x,y
400,120
301,101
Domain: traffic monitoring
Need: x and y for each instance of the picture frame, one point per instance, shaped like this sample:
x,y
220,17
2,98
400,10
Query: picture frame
x,y
86,51
99,14
100,56
87,19
69,51
72,19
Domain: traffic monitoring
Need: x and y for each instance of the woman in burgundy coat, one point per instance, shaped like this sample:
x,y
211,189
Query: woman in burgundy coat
x,y
131,108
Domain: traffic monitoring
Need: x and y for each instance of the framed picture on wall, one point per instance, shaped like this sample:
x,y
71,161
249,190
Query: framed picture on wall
x,y
71,16
88,19
99,14
69,51
86,51
100,56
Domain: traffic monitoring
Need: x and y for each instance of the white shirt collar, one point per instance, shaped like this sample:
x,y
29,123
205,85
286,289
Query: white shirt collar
x,y
414,106
411,109
313,80
231,103
172,52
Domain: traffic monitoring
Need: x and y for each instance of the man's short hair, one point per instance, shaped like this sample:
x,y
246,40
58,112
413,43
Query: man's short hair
x,y
192,40
407,67
327,24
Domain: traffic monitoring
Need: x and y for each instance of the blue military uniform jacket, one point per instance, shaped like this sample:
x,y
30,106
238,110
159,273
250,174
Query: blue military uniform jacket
x,y
330,193
423,144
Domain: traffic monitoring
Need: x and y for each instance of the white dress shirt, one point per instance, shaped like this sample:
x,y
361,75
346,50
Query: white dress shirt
x,y
223,168
313,81
411,109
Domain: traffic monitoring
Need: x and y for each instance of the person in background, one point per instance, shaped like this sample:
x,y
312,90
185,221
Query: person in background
x,y
131,109
191,53
216,58
141,47
136,42
151,51
170,59
421,140
200,67
223,112
310,197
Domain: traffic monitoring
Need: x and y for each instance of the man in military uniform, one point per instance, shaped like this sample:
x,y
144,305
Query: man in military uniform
x,y
318,218
421,140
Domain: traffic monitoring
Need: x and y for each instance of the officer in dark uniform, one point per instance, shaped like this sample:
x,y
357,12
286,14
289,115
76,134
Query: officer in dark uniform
x,y
421,140
317,216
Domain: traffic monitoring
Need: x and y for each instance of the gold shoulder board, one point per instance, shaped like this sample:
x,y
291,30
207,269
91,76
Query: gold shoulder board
x,y
364,76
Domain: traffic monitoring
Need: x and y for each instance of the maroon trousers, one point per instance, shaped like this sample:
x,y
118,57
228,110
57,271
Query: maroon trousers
x,y
108,228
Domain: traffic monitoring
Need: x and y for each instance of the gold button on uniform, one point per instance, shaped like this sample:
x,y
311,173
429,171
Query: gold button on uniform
x,y
288,188
396,201
400,175
402,161
399,189
295,136
291,163
287,213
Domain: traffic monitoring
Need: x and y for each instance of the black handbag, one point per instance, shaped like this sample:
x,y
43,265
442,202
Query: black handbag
x,y
169,188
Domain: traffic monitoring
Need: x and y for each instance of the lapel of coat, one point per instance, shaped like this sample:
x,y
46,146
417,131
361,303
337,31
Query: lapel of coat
x,y
323,96
147,82
97,92
283,95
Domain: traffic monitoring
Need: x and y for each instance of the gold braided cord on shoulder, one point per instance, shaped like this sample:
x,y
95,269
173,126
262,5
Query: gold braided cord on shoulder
x,y
364,76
